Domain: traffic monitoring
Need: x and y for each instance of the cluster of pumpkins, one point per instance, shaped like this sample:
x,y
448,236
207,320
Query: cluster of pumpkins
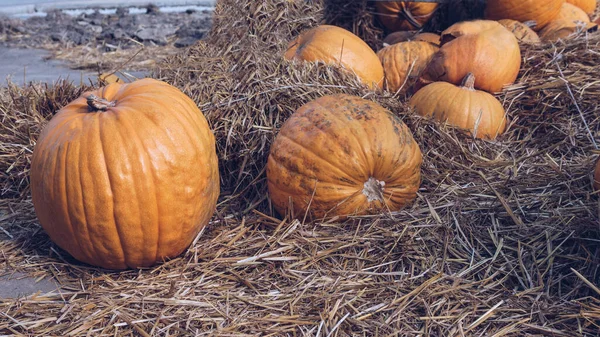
x,y
127,175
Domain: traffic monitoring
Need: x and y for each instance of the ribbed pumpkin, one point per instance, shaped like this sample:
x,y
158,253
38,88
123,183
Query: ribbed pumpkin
x,y
482,47
403,36
522,32
342,155
540,11
565,29
126,175
461,106
404,15
335,45
404,61
588,6
572,13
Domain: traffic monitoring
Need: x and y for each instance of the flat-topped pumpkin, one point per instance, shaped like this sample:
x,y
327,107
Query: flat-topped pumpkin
x,y
125,176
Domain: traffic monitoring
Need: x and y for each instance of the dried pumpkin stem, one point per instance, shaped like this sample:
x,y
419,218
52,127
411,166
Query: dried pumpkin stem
x,y
468,82
373,189
96,103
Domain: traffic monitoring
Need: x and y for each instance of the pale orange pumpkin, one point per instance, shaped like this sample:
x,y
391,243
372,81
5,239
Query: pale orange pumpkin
x,y
522,32
540,11
461,106
566,29
126,175
572,13
404,15
338,46
343,155
588,6
403,62
482,47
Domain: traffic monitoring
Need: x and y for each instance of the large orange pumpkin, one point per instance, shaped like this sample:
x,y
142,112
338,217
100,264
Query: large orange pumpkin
x,y
126,175
404,15
572,13
522,32
342,155
482,47
461,106
404,61
588,6
540,11
335,45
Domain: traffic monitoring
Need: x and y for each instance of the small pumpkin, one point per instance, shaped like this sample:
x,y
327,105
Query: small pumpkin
x,y
539,11
341,155
404,15
461,106
403,36
565,29
522,31
125,176
335,45
572,13
588,6
482,47
403,62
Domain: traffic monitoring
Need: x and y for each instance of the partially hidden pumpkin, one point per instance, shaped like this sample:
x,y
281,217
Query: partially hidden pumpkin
x,y
522,31
540,11
482,47
403,62
338,46
566,29
126,175
461,106
403,36
588,6
342,155
572,13
404,15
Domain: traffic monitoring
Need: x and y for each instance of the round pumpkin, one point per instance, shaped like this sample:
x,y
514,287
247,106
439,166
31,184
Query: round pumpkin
x,y
485,48
565,29
338,46
572,13
404,15
403,36
125,176
403,62
461,106
522,32
343,155
540,11
588,6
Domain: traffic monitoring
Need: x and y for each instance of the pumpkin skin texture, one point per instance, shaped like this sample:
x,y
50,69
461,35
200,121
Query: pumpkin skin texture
x,y
588,6
522,32
403,62
540,11
564,29
461,106
129,182
343,155
485,48
335,45
572,13
404,15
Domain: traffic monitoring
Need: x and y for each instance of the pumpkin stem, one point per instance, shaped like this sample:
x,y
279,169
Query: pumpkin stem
x,y
373,189
468,82
96,103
